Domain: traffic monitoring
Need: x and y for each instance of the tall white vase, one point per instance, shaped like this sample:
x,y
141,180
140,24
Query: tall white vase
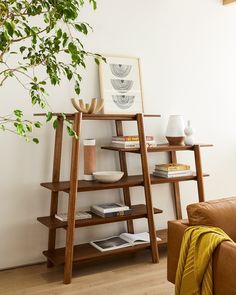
x,y
189,139
175,130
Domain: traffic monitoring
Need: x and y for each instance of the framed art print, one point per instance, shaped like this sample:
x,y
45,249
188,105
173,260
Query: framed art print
x,y
120,85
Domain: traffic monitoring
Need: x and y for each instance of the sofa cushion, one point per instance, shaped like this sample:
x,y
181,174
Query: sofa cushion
x,y
220,213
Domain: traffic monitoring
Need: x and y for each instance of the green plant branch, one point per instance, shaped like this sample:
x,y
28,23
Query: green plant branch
x,y
18,24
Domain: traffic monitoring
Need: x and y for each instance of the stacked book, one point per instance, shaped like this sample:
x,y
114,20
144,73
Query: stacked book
x,y
172,170
131,141
110,210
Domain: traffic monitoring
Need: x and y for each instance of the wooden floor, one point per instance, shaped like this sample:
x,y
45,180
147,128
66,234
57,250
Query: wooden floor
x,y
127,275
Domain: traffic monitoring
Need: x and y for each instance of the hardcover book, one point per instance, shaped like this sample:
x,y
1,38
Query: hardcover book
x,y
109,207
121,241
112,214
172,167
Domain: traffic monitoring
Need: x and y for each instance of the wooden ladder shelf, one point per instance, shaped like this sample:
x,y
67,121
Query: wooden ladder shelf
x,y
85,252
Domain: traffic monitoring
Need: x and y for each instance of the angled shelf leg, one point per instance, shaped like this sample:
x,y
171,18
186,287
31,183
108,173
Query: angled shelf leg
x,y
147,189
72,202
123,167
176,189
198,163
55,178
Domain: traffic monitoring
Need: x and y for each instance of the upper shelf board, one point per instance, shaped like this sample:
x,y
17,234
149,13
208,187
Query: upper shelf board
x,y
121,117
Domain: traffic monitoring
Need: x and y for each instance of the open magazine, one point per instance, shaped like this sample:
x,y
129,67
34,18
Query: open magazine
x,y
121,241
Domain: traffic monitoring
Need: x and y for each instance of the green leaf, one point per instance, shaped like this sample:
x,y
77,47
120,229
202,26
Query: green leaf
x,y
70,131
9,27
72,48
59,33
35,140
77,88
49,116
55,124
18,113
37,124
94,3
22,49
97,61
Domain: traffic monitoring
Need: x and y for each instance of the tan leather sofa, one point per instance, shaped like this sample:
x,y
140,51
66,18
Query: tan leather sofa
x,y
220,213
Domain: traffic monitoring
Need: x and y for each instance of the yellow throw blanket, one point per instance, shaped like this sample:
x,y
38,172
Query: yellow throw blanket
x,y
194,272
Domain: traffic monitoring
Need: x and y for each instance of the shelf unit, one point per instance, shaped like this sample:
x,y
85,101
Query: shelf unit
x,y
79,253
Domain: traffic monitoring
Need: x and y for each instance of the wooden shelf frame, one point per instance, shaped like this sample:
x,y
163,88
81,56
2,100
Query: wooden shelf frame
x,y
74,186
85,252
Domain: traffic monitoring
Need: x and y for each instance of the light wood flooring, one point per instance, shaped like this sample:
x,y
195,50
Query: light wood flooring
x,y
126,275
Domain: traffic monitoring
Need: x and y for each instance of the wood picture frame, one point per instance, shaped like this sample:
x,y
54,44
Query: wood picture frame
x,y
121,85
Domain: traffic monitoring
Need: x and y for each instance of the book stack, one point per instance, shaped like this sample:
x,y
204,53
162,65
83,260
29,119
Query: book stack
x,y
111,210
131,141
172,170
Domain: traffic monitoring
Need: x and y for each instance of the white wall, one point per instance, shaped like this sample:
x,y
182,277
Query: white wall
x,y
187,49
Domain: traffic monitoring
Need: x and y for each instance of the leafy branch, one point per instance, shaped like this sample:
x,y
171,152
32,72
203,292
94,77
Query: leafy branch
x,y
42,51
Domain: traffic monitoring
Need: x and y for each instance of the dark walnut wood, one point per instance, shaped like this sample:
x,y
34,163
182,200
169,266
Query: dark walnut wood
x,y
158,148
74,254
138,211
122,117
123,167
129,181
86,252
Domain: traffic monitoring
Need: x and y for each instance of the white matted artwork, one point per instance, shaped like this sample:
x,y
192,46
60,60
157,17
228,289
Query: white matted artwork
x,y
120,85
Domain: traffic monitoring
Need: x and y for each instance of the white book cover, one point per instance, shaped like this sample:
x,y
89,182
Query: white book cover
x,y
188,173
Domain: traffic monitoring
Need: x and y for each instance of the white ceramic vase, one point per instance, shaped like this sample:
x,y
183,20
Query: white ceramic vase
x,y
175,130
189,139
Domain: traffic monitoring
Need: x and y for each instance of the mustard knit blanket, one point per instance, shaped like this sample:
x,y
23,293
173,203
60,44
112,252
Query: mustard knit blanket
x,y
194,272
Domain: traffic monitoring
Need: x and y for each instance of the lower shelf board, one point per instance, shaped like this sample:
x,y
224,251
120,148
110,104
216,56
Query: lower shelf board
x,y
86,252
138,211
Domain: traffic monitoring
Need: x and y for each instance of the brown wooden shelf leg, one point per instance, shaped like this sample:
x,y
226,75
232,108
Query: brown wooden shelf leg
x,y
55,178
72,202
198,163
123,167
176,189
147,189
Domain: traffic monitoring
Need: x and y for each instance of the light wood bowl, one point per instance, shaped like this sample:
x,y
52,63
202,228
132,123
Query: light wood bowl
x,y
94,107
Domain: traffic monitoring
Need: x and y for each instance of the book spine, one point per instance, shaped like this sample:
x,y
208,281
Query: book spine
x,y
133,144
173,168
130,138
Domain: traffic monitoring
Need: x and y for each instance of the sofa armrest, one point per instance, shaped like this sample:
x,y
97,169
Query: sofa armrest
x,y
175,234
224,269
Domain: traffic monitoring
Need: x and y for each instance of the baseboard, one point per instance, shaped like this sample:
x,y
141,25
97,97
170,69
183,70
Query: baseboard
x,y
22,265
